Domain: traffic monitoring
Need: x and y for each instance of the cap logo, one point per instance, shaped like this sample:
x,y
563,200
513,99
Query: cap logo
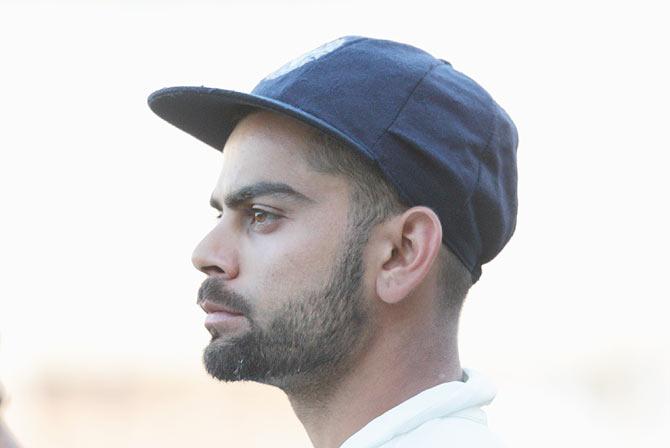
x,y
308,57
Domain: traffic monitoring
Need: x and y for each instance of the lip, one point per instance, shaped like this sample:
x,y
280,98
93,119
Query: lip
x,y
210,308
221,319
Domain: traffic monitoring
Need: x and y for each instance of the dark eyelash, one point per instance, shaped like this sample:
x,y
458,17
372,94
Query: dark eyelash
x,y
251,211
268,215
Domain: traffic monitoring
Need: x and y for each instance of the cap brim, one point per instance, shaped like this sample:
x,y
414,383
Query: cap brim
x,y
210,114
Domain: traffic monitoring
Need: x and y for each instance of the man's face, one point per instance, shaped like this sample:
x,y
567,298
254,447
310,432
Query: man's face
x,y
285,292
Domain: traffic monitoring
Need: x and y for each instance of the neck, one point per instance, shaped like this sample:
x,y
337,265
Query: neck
x,y
383,376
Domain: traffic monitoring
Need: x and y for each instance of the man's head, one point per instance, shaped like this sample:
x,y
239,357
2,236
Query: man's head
x,y
436,135
311,248
369,160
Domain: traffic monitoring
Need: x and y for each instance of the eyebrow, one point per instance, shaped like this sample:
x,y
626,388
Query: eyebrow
x,y
250,192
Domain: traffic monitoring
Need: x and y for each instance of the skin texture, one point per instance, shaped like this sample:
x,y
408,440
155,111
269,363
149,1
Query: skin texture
x,y
310,335
302,262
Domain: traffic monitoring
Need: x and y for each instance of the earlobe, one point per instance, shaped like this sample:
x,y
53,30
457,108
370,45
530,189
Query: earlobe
x,y
414,239
388,290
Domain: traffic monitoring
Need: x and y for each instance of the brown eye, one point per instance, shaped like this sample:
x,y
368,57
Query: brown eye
x,y
261,219
260,216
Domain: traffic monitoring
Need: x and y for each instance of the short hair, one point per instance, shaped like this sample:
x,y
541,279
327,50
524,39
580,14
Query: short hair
x,y
373,200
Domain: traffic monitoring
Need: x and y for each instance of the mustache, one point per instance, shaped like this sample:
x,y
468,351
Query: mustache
x,y
215,291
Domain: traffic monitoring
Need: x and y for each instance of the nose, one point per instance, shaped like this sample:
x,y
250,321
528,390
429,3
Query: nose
x,y
216,255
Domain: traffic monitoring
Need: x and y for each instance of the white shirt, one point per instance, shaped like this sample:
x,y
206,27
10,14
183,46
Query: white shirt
x,y
447,415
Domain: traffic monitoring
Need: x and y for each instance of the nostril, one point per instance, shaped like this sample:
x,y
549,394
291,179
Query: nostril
x,y
212,270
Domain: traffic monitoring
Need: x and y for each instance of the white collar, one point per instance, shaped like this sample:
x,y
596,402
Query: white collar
x,y
446,399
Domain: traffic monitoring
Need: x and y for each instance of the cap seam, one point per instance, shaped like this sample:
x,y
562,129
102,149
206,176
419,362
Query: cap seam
x,y
416,86
380,160
483,151
471,267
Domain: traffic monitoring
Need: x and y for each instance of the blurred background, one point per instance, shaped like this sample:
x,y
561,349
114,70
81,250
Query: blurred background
x,y
103,202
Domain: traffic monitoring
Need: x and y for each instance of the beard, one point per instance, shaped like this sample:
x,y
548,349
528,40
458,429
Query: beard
x,y
312,337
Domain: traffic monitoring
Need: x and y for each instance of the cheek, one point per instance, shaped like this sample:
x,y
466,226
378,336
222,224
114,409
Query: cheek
x,y
282,265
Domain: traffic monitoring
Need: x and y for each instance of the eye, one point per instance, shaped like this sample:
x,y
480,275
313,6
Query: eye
x,y
259,215
261,218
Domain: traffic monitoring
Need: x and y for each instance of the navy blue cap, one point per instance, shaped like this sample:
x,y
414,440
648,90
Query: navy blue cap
x,y
436,135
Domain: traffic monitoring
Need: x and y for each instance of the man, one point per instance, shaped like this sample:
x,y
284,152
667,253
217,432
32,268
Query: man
x,y
363,186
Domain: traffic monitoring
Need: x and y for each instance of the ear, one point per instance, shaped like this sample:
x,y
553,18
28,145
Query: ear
x,y
412,242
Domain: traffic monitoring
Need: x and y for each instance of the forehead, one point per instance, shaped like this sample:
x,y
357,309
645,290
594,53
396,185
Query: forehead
x,y
269,147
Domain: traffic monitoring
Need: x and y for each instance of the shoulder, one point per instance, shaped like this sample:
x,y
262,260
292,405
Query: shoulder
x,y
456,432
